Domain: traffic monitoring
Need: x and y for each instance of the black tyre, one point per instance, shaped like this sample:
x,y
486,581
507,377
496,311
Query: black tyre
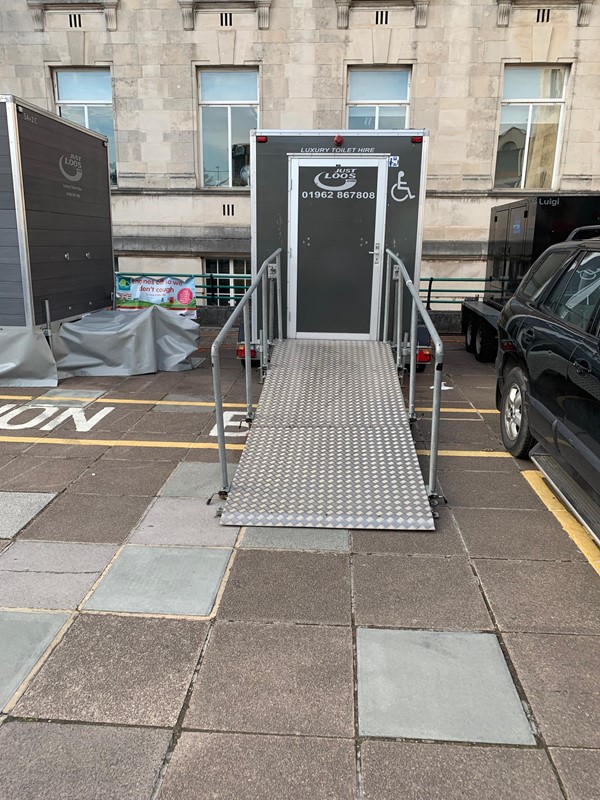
x,y
254,363
421,367
470,334
514,421
485,343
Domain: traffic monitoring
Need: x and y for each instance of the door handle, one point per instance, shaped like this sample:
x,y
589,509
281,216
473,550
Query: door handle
x,y
582,367
528,336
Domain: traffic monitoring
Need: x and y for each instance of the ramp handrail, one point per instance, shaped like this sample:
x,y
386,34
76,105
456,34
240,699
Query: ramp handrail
x,y
400,274
268,274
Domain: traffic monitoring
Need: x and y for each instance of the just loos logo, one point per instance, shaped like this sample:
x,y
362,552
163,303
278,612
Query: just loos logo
x,y
338,181
71,167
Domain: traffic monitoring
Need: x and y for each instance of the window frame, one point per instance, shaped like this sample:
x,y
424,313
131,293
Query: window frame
x,y
568,273
228,104
58,104
227,299
356,69
533,103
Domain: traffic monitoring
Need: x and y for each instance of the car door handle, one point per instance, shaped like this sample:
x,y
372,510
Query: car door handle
x,y
528,336
582,367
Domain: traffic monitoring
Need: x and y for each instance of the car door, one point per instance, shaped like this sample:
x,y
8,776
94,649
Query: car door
x,y
545,345
578,436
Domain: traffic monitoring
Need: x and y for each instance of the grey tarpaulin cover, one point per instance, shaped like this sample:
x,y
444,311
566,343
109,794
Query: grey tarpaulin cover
x,y
25,358
127,343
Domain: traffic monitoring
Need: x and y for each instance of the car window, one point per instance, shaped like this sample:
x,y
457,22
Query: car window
x,y
541,273
576,295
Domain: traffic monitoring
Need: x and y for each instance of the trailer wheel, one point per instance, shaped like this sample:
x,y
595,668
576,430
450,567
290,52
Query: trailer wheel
x,y
485,343
470,334
514,421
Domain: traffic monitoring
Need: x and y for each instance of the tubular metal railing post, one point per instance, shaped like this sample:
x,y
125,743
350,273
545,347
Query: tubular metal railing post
x,y
399,323
279,299
270,336
386,308
419,308
216,370
216,365
413,362
248,363
435,419
264,334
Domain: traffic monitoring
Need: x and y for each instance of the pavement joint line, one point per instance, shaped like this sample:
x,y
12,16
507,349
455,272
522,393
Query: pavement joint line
x,y
24,685
143,615
38,610
575,530
460,410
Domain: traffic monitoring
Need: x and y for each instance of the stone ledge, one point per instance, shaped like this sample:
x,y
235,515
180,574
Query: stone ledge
x,y
38,10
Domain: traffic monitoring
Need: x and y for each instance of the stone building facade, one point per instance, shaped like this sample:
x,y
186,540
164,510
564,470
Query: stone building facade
x,y
509,90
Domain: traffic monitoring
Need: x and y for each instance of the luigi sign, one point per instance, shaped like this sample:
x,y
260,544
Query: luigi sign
x,y
140,292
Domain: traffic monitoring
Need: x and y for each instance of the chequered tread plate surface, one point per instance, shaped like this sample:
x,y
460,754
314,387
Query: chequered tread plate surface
x,y
329,478
341,384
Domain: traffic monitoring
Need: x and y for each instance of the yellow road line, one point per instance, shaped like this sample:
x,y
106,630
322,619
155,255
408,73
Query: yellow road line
x,y
121,401
461,410
575,529
467,453
119,443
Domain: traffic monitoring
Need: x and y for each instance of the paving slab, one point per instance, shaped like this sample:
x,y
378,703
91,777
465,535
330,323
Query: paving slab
x,y
579,771
50,575
503,533
19,508
121,670
116,420
184,521
102,442
246,767
475,431
286,679
417,592
560,597
482,490
184,422
288,587
74,517
455,772
23,638
45,760
184,399
162,580
144,453
296,539
142,479
444,541
198,479
69,397
560,678
31,474
437,685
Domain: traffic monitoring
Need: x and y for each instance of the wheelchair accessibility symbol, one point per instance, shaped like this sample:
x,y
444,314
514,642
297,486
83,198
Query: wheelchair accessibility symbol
x,y
401,190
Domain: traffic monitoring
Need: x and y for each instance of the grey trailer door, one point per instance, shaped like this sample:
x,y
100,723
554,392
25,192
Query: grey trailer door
x,y
336,245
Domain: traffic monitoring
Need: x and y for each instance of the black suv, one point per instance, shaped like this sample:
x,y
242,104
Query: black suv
x,y
548,364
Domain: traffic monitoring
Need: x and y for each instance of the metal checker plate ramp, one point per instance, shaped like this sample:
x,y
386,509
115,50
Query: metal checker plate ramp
x,y
333,448
331,380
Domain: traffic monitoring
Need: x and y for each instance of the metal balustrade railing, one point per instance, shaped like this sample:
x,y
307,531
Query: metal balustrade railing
x,y
268,282
406,345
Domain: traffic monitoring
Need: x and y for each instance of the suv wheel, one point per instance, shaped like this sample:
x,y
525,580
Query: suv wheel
x,y
514,422
470,334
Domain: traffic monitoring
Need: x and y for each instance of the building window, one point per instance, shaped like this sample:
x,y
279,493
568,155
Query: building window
x,y
85,96
530,122
228,112
378,99
224,284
